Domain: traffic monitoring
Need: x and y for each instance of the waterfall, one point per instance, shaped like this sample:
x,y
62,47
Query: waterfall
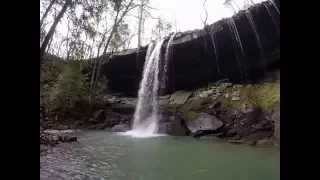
x,y
275,5
236,39
272,18
166,61
233,28
213,39
253,26
146,113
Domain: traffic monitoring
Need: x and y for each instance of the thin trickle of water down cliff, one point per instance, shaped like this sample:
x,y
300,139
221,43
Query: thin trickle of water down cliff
x,y
146,113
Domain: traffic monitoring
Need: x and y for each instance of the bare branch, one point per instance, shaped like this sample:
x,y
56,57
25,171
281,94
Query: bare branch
x,y
204,21
151,7
150,15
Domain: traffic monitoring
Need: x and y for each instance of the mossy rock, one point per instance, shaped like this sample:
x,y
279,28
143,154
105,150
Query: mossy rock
x,y
195,104
190,115
266,96
180,97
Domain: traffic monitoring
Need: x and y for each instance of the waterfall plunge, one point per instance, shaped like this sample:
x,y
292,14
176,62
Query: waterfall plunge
x,y
146,113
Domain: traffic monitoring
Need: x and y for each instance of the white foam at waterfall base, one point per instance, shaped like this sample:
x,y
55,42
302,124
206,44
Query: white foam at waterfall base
x,y
145,130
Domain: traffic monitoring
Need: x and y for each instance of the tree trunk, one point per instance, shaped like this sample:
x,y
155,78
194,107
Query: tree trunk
x,y
140,23
67,45
49,45
115,25
46,12
95,61
53,27
72,50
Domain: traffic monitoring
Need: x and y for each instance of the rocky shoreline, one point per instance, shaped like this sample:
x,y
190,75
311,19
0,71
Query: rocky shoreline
x,y
239,114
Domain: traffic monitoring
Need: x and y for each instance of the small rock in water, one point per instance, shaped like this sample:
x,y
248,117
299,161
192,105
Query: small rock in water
x,y
236,141
227,95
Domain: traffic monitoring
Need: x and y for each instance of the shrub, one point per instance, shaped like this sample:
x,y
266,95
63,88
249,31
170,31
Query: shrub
x,y
65,85
71,86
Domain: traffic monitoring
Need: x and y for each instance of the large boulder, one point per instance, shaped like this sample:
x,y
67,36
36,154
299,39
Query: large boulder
x,y
204,123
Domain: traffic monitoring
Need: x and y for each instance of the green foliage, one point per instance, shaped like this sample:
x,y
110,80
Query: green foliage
x,y
71,86
121,35
64,85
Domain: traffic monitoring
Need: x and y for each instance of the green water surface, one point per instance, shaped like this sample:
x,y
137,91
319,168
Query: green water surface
x,y
103,155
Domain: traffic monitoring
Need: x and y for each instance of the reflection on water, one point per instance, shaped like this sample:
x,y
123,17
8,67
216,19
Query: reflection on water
x,y
102,155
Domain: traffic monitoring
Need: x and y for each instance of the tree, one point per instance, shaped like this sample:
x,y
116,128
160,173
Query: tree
x,y
53,27
206,18
143,4
118,7
121,35
231,4
44,16
162,29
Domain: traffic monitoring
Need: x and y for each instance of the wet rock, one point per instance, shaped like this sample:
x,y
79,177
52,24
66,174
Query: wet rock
x,y
164,128
217,104
101,126
237,86
264,142
200,133
123,109
231,132
252,115
263,125
120,128
54,137
222,81
62,127
78,124
204,122
205,94
240,141
172,124
178,127
275,117
43,124
70,138
180,97
235,98
92,121
227,84
98,115
258,135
